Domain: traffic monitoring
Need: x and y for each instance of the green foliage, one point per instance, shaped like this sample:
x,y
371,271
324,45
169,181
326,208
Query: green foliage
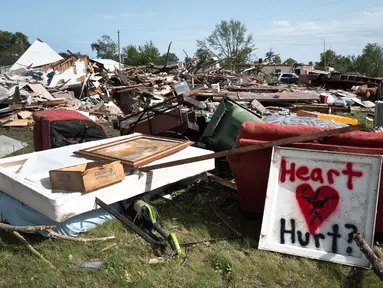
x,y
277,59
369,63
106,48
229,42
271,56
12,46
371,60
147,54
290,61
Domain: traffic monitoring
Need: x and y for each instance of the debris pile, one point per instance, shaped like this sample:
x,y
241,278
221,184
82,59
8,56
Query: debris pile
x,y
178,98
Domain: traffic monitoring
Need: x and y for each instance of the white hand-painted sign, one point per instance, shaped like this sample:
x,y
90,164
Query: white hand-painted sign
x,y
317,200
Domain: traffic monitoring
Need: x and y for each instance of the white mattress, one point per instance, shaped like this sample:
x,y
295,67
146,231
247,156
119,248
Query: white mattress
x,y
32,185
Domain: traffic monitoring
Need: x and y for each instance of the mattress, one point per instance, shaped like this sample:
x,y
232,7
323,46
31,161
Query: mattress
x,y
26,178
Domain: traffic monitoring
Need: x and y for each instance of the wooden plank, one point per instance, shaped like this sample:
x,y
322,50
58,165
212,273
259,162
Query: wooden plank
x,y
258,106
24,114
41,91
222,181
15,123
261,146
263,97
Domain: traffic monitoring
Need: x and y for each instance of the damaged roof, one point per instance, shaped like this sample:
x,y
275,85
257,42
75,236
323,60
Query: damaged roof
x,y
38,54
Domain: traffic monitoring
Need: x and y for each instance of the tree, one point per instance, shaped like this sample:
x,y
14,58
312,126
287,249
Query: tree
x,y
106,48
203,53
228,42
171,58
12,46
370,62
131,55
270,56
330,57
277,59
290,61
146,54
149,54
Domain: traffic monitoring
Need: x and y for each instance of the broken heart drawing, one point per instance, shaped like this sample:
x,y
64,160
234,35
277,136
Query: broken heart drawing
x,y
316,206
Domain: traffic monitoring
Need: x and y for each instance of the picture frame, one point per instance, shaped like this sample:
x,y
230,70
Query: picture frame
x,y
136,151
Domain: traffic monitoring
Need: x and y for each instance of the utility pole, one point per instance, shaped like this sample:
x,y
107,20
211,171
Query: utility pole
x,y
119,51
324,53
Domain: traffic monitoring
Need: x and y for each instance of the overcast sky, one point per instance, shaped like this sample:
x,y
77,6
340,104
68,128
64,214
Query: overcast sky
x,y
291,28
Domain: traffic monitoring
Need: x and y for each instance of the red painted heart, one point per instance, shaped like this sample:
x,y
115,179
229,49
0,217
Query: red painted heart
x,y
316,206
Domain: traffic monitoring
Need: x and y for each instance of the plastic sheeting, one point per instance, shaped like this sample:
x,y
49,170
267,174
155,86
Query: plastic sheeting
x,y
308,121
18,214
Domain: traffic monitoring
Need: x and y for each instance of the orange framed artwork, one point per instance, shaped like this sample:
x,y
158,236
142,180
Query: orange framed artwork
x,y
136,151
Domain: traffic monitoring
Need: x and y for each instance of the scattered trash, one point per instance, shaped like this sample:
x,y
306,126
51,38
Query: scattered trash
x,y
9,145
91,265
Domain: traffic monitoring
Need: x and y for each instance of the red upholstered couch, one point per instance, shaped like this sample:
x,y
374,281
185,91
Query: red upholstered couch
x,y
53,128
251,170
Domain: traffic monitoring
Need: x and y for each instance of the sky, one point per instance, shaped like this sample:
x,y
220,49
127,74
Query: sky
x,y
295,29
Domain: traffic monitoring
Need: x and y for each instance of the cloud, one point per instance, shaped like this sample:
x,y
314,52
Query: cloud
x,y
303,40
373,12
282,23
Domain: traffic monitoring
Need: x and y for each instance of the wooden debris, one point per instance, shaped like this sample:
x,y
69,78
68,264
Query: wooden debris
x,y
33,250
222,181
14,123
232,225
40,91
10,228
83,240
255,104
375,260
261,146
24,114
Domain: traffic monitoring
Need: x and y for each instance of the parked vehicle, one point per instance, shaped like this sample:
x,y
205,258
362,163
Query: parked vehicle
x,y
288,78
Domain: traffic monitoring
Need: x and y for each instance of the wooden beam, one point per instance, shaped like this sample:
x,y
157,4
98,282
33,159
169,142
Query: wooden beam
x,y
261,146
222,181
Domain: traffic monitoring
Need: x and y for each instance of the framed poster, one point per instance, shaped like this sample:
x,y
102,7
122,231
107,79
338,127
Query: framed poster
x,y
316,201
136,151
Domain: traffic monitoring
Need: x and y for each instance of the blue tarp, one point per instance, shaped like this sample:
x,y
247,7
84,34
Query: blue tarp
x,y
16,213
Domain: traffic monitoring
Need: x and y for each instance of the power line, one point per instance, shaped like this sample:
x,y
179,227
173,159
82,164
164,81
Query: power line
x,y
256,19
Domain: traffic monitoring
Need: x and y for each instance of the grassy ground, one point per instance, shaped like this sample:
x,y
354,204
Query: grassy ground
x,y
224,264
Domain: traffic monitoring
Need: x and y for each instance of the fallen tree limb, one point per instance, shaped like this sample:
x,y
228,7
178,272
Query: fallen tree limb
x,y
376,262
33,250
10,228
83,240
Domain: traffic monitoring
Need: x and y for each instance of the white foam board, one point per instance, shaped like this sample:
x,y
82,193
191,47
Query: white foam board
x,y
32,186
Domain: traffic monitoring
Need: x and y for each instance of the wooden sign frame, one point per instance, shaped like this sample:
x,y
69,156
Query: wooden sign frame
x,y
94,152
317,200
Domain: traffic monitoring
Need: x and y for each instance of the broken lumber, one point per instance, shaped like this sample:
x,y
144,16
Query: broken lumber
x,y
232,225
261,146
376,262
222,181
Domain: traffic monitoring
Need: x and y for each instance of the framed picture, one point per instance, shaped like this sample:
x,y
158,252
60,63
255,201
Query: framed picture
x,y
136,151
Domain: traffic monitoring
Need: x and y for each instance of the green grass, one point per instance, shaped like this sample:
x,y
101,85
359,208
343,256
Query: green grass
x,y
224,264
360,116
